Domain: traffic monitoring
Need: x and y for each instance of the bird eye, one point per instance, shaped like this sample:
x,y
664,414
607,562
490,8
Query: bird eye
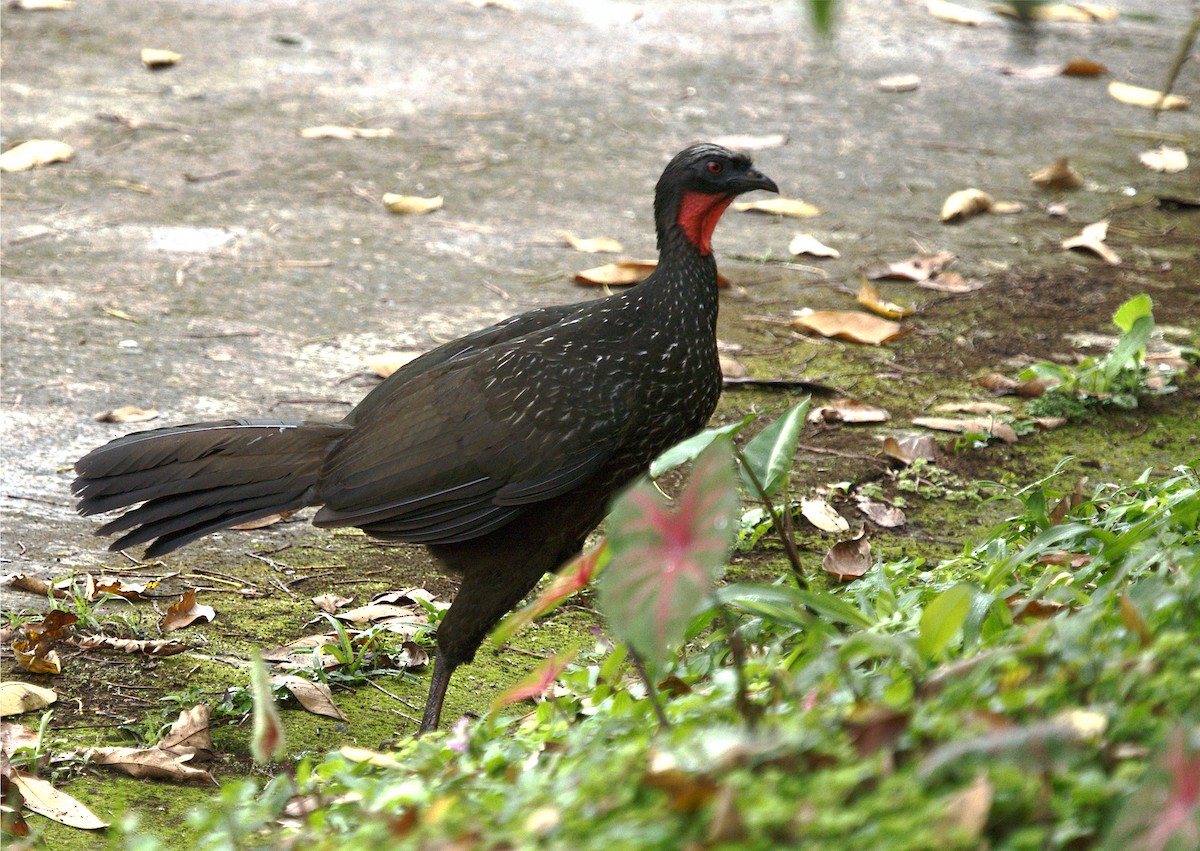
x,y
715,167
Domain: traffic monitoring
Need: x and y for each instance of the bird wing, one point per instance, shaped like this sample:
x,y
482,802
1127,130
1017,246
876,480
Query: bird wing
x,y
457,449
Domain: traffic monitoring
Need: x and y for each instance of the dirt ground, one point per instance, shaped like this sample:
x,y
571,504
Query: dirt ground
x,y
199,257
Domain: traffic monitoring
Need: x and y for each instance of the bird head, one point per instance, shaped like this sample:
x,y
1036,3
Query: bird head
x,y
696,187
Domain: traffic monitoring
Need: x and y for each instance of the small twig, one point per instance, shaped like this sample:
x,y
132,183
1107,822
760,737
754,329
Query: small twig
x,y
394,697
275,565
738,654
361,577
38,499
1185,48
651,691
236,580
299,579
286,264
286,590
216,175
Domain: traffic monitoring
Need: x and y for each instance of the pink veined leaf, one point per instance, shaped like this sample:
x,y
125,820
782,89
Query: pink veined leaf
x,y
537,682
1164,812
664,561
570,579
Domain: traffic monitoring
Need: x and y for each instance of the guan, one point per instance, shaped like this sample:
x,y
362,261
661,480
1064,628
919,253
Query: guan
x,y
499,450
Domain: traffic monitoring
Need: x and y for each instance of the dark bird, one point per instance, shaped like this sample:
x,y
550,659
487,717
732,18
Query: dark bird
x,y
499,451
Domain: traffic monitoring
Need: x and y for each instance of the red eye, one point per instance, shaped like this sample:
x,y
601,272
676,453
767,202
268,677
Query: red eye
x,y
715,167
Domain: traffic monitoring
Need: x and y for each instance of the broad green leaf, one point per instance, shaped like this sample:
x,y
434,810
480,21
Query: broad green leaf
x,y
1133,310
663,560
769,455
688,449
786,604
1129,349
943,618
876,645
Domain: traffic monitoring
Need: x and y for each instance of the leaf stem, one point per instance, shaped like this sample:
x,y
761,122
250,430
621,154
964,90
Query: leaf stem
x,y
784,533
651,691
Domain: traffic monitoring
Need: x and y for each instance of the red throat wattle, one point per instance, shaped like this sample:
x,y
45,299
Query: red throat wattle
x,y
699,213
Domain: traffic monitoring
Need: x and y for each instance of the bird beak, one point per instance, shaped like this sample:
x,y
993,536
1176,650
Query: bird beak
x,y
754,179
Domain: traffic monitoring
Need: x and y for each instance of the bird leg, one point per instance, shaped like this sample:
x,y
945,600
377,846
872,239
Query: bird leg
x,y
443,669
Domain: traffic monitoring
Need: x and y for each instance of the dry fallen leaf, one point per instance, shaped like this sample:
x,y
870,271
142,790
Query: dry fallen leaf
x,y
823,515
150,763
967,811
385,364
1031,72
851,325
910,448
43,5
330,603
1049,423
779,206
848,411
147,647
1002,385
34,153
686,792
973,408
156,58
898,83
806,243
191,730
43,799
127,414
186,611
261,522
17,697
1058,176
1148,98
731,367
35,585
870,298
1082,67
980,425
751,143
591,245
919,267
335,131
963,204
1092,239
411,204
315,697
1070,13
1164,159
880,513
1006,208
953,13
848,560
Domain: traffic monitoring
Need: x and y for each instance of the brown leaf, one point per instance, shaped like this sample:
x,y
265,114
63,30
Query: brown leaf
x,y
1071,13
967,811
806,243
315,697
872,728
790,207
751,143
848,560
919,267
33,584
127,414
1058,176
898,83
726,824
686,792
950,282
880,513
157,648
592,245
1164,159
963,204
731,367
385,364
973,408
34,153
1002,385
43,799
1133,620
1082,67
1062,558
953,13
411,204
1147,98
150,763
850,325
1006,208
981,425
14,736
870,298
191,731
848,411
909,449
17,697
186,611
1049,423
120,588
823,515
1025,608
28,657
1092,239
156,58
374,613
261,522
335,131
330,603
